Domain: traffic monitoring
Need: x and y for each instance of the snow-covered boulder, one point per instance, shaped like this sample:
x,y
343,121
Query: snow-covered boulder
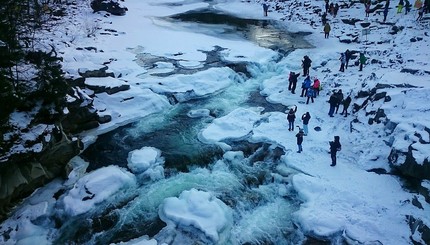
x,y
198,213
146,161
109,6
95,188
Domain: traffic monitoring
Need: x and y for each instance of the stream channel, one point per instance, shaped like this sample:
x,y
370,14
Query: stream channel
x,y
262,215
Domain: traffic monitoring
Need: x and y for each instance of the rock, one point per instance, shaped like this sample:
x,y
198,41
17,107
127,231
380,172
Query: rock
x,y
96,73
108,90
111,7
80,118
390,125
375,61
417,203
422,230
406,164
395,29
76,82
363,94
379,96
104,119
365,24
24,173
413,71
351,21
344,39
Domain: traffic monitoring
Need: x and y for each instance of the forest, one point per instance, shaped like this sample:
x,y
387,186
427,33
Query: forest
x,y
31,78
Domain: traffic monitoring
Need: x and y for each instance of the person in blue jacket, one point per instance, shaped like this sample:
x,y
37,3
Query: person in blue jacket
x,y
311,93
305,86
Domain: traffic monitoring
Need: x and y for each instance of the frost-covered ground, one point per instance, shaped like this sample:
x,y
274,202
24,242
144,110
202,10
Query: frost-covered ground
x,y
345,200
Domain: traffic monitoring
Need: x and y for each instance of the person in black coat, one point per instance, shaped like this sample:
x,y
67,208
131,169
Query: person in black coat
x,y
346,102
324,18
293,81
335,146
339,99
347,58
306,64
265,8
299,136
333,102
291,117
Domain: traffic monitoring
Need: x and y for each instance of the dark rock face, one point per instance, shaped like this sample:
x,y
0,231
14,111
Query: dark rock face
x,y
79,119
351,21
409,165
417,225
109,90
111,7
96,73
24,173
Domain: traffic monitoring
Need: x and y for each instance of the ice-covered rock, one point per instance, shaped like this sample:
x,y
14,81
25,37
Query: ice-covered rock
x,y
95,188
148,161
198,211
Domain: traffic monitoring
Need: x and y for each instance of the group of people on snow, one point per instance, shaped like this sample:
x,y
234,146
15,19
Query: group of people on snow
x,y
337,99
402,4
346,57
335,145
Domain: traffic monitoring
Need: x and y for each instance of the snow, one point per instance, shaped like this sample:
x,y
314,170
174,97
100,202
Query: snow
x,y
147,161
96,187
236,124
197,209
108,82
363,206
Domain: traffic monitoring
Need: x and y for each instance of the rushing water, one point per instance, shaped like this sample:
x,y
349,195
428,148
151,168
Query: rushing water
x,y
252,185
249,179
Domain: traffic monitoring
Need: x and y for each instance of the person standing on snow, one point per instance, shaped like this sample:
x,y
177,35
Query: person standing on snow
x,y
306,64
339,99
367,5
326,29
408,6
342,62
293,81
387,5
331,8
420,13
265,8
310,94
316,86
305,86
305,118
299,136
335,146
346,102
400,6
418,4
335,10
332,101
324,18
347,58
362,60
291,117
